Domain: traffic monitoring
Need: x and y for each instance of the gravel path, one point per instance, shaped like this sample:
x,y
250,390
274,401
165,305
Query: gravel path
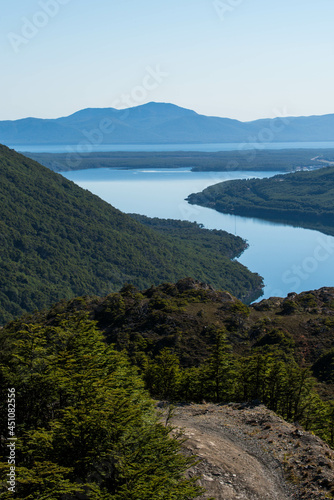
x,y
249,453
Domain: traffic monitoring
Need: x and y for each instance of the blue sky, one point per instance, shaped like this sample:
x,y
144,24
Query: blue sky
x,y
243,59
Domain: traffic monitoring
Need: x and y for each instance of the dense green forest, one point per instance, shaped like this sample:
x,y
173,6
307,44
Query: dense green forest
x,y
252,159
301,198
215,240
84,420
85,426
59,241
184,317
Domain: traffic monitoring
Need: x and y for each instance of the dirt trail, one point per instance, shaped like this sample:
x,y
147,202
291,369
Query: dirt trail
x,y
250,453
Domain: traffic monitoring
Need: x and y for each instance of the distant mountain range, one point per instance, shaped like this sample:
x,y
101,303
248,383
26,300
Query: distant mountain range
x,y
161,123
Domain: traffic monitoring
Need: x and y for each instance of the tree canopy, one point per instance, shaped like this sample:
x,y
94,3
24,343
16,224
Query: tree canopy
x,y
85,424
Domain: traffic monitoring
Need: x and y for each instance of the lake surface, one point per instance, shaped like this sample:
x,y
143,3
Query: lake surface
x,y
289,259
206,148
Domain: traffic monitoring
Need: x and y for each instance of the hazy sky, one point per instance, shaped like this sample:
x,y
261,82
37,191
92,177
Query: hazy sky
x,y
243,59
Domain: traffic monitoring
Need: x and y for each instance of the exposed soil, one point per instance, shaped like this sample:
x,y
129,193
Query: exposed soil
x,y
248,452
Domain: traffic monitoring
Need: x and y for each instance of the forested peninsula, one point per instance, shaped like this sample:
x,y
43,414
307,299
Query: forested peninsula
x,y
60,241
302,199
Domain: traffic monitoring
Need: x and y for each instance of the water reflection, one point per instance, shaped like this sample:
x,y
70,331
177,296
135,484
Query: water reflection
x,y
288,258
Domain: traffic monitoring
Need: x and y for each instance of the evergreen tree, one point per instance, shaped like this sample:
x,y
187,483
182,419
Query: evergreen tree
x,y
91,428
163,375
220,371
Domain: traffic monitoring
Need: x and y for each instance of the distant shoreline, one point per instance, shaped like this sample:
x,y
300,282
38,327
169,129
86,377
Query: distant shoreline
x,y
86,147
284,160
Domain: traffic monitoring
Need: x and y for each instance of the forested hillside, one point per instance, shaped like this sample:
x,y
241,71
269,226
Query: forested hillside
x,y
186,342
300,198
186,318
59,241
85,426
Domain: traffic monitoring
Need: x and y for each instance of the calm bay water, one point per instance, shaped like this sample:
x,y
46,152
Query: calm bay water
x,y
290,259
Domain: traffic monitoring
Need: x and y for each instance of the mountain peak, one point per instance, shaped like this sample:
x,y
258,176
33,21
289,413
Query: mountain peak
x,y
161,123
162,109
